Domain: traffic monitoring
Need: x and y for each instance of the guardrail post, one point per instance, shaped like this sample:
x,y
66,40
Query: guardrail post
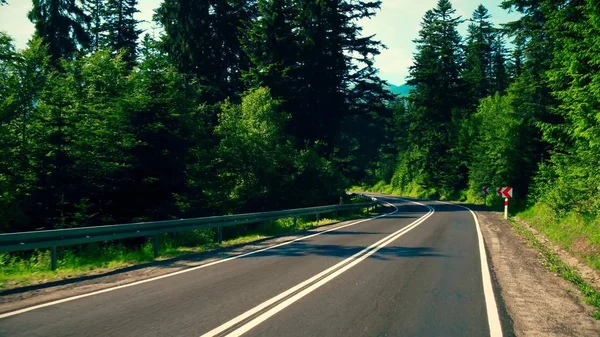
x,y
318,218
155,245
53,258
220,234
295,218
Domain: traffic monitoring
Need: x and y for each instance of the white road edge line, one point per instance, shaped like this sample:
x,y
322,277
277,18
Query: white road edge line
x,y
72,298
488,289
358,257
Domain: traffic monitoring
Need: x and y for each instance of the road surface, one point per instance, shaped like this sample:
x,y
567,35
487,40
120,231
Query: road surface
x,y
415,272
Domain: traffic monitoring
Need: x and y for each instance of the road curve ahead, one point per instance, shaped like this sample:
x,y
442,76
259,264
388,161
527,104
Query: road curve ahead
x,y
417,271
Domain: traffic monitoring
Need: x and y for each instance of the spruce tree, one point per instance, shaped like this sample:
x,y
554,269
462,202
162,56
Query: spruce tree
x,y
500,77
95,9
202,38
121,28
438,97
569,180
479,55
62,24
530,91
273,49
313,58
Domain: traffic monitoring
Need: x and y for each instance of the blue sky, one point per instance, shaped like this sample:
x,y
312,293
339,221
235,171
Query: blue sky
x,y
396,25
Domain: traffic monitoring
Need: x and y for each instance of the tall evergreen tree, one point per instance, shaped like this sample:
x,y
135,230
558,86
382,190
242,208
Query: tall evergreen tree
x,y
500,77
569,181
62,25
479,55
95,9
438,96
121,28
273,49
530,92
313,57
203,40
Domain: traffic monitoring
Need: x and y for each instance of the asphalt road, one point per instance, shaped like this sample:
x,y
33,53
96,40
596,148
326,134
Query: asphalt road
x,y
417,272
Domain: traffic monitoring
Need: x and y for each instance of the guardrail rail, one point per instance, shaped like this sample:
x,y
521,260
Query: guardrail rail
x,y
22,241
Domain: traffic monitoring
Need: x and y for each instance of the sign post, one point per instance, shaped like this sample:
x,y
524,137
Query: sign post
x,y
505,192
486,191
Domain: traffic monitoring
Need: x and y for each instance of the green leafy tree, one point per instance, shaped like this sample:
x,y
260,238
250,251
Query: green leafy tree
x,y
496,157
256,154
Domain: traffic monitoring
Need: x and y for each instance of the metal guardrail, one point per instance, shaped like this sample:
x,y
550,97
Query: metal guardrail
x,y
52,239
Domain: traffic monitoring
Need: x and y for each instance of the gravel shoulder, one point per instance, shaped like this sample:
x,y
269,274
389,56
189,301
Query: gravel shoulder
x,y
539,302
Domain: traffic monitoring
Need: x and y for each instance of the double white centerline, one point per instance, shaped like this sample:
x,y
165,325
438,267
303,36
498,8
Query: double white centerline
x,y
253,317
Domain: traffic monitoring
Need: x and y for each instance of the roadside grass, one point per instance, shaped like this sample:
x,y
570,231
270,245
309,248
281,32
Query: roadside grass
x,y
577,234
556,265
25,268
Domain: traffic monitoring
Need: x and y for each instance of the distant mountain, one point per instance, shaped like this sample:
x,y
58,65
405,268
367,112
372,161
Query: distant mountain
x,y
401,90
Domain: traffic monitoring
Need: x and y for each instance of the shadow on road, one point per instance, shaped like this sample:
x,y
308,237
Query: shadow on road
x,y
300,249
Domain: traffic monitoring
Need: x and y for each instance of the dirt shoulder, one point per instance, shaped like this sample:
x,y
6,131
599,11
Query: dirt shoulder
x,y
539,302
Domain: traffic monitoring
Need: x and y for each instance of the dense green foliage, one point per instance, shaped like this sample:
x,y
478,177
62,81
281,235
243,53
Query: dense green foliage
x,y
480,115
248,105
240,105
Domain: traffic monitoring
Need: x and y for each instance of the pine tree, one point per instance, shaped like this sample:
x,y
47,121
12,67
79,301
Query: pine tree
x,y
163,123
479,55
530,93
202,38
62,25
273,49
95,9
515,67
121,28
301,51
569,180
500,78
438,97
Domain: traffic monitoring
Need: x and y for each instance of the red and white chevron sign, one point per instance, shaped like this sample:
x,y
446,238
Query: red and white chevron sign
x,y
486,190
504,192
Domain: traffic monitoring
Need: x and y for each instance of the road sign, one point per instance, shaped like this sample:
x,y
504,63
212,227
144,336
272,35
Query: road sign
x,y
504,192
486,190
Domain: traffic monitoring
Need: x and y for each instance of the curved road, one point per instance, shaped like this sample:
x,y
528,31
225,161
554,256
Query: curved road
x,y
414,272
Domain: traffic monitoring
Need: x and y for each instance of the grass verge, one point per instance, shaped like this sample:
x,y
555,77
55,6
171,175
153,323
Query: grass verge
x,y
25,268
573,232
556,265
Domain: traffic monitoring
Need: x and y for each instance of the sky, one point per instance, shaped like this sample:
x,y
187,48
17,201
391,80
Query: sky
x,y
396,25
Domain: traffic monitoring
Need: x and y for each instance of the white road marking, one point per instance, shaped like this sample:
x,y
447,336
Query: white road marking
x,y
72,298
345,265
488,289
